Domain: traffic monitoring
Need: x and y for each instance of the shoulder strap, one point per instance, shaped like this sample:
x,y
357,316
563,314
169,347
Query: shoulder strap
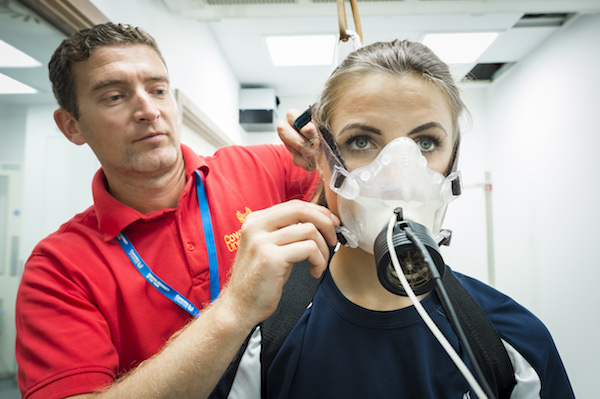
x,y
483,338
297,294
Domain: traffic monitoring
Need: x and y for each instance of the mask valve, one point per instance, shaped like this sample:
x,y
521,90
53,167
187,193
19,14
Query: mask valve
x,y
414,266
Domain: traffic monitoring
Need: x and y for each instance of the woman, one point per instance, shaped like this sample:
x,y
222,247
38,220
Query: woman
x,y
359,340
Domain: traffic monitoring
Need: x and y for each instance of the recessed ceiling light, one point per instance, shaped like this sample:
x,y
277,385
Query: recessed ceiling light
x,y
11,57
459,48
301,50
11,86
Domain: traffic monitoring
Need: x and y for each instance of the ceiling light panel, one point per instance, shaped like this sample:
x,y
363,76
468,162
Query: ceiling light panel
x,y
10,86
11,57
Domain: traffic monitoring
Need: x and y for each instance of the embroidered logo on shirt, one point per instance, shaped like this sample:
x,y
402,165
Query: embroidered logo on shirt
x,y
242,216
467,395
232,240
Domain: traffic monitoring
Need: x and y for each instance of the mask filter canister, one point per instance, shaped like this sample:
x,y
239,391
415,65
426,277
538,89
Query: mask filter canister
x,y
415,269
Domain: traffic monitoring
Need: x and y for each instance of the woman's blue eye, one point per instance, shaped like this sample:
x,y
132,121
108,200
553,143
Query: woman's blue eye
x,y
426,145
360,143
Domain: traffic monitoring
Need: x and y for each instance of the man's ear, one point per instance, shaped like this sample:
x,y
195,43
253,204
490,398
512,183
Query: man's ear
x,y
69,126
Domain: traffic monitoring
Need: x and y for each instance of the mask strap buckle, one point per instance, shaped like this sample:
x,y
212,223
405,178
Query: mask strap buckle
x,y
452,187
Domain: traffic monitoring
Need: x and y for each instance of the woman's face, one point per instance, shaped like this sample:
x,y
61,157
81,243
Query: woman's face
x,y
376,109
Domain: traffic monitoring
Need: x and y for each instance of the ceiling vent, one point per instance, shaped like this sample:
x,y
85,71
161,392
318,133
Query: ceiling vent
x,y
487,72
542,20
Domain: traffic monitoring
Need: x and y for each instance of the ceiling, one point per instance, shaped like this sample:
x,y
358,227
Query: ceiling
x,y
240,28
36,38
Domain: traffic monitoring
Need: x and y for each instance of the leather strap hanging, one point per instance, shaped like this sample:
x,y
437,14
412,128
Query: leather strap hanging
x,y
343,21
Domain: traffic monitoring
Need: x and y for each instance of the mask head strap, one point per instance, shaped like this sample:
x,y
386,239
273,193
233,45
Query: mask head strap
x,y
333,155
453,166
328,143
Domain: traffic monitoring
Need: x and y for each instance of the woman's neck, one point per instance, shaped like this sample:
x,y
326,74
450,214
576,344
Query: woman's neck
x,y
355,274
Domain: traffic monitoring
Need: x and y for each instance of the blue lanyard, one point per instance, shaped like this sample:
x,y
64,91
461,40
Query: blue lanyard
x,y
213,266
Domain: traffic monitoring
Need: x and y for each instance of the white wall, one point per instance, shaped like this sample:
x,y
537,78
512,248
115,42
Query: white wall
x,y
12,144
58,177
286,103
196,64
466,216
544,140
196,142
11,133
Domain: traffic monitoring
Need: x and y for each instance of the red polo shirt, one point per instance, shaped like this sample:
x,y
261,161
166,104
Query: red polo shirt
x,y
84,312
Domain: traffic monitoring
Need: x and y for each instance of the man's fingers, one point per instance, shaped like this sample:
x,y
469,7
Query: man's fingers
x,y
272,240
307,250
299,144
302,232
293,212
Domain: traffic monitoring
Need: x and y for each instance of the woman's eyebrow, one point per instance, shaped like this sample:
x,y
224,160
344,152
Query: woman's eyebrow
x,y
361,127
426,126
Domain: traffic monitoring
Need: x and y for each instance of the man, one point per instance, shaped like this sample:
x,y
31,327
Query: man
x,y
145,264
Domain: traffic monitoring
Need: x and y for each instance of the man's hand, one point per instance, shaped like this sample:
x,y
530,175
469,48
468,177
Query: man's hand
x,y
299,144
272,241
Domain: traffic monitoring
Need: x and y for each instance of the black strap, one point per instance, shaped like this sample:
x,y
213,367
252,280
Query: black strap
x,y
297,294
483,338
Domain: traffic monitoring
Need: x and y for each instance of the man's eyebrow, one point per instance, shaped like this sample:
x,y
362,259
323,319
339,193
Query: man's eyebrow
x,y
427,126
105,83
361,127
111,82
158,78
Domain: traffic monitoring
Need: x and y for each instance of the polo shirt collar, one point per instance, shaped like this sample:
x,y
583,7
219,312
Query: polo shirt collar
x,y
114,216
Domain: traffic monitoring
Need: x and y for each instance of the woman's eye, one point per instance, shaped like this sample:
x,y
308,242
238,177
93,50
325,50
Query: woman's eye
x,y
360,143
426,145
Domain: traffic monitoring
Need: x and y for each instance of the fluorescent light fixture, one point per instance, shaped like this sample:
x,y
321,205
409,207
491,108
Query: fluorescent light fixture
x,y
459,48
11,86
301,50
10,57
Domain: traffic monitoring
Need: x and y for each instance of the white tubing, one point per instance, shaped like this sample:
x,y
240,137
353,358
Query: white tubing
x,y
423,313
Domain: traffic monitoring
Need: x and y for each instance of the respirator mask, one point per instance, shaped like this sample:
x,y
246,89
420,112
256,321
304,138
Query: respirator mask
x,y
397,182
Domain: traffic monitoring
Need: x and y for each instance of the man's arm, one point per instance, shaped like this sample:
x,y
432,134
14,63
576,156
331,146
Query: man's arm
x,y
192,362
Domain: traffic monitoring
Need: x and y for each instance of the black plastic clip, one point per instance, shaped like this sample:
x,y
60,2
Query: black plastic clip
x,y
303,119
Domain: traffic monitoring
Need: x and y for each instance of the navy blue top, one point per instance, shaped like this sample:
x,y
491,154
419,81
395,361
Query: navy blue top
x,y
341,350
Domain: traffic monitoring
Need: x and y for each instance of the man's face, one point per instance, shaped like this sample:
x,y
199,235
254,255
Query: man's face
x,y
127,112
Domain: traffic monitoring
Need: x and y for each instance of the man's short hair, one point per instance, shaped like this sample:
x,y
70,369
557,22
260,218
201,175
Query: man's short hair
x,y
79,46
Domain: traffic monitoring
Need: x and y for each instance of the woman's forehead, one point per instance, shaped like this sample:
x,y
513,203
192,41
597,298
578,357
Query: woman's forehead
x,y
382,100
